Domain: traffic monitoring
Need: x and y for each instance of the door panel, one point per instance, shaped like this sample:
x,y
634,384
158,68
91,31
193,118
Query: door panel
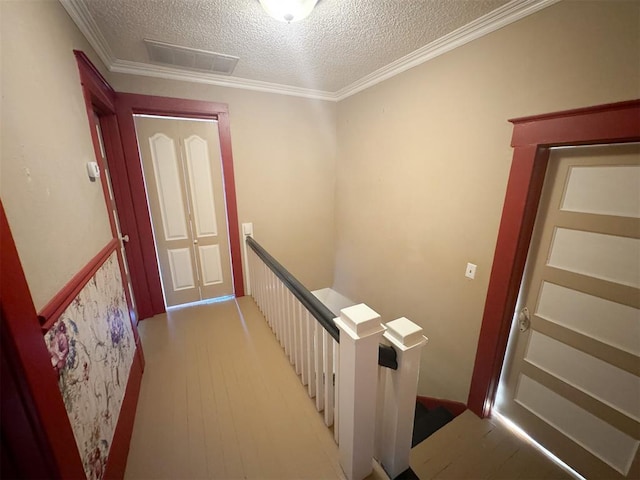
x,y
202,198
181,272
210,264
167,172
183,174
572,377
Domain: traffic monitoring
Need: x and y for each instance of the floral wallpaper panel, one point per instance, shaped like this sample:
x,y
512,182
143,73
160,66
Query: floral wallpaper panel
x,y
92,348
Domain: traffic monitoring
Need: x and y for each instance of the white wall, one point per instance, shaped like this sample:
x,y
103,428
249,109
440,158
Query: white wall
x,y
57,216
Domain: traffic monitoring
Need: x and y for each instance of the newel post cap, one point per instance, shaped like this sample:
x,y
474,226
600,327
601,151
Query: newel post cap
x,y
405,334
359,321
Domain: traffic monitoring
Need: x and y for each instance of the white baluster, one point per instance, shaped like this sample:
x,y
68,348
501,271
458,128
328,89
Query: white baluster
x,y
360,333
311,353
280,317
318,367
294,331
327,346
298,330
304,367
289,316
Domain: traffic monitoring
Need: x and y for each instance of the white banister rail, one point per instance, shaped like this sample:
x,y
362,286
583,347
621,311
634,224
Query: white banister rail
x,y
338,361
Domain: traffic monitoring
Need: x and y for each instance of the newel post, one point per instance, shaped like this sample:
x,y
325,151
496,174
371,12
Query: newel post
x,y
360,334
401,388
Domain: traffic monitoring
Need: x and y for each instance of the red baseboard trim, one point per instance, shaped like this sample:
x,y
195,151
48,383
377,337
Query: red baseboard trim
x,y
52,310
454,407
119,451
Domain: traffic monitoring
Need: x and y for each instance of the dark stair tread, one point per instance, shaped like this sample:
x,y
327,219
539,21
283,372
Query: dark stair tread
x,y
421,410
408,474
426,422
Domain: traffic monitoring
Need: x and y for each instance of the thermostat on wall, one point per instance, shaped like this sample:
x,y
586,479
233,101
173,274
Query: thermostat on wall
x,y
93,170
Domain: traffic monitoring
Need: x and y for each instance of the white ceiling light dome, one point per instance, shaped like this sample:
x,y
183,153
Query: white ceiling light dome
x,y
288,10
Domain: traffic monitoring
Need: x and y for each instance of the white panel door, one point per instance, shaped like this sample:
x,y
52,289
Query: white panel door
x,y
572,379
183,176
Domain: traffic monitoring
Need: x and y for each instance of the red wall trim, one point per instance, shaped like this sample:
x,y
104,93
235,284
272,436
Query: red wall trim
x,y
39,381
613,123
117,461
456,408
126,106
52,310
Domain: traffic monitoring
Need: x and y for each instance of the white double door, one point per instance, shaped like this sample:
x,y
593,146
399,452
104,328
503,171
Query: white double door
x,y
573,377
185,190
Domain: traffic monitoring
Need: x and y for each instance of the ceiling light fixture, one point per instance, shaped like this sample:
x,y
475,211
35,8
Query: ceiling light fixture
x,y
288,10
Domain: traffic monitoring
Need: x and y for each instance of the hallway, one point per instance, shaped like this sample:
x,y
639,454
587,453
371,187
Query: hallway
x,y
219,400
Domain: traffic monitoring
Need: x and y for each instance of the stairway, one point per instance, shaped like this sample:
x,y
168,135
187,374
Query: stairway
x,y
427,421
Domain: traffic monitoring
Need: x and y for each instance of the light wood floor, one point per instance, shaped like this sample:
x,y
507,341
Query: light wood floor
x,y
220,400
471,448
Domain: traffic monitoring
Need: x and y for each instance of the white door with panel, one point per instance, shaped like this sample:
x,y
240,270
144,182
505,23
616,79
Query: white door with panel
x,y
571,379
185,190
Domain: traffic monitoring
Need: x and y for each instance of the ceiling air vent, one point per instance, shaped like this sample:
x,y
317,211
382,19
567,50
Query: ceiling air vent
x,y
191,58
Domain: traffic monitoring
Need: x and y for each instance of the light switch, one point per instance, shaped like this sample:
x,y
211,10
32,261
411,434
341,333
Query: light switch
x,y
93,170
471,271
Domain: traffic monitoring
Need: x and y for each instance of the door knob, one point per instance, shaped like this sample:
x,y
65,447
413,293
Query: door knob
x,y
125,238
195,242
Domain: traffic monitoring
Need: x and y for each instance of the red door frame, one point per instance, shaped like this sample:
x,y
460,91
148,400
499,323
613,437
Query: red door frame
x,y
99,100
532,138
116,112
36,400
128,105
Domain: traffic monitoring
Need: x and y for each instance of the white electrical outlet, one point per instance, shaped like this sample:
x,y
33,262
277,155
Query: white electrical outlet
x,y
471,271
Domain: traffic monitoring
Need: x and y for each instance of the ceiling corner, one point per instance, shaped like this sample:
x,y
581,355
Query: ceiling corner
x,y
501,17
80,15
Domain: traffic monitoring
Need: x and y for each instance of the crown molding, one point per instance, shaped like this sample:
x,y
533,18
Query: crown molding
x,y
81,16
501,17
170,73
505,15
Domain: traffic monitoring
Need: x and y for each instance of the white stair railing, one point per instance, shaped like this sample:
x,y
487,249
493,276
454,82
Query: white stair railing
x,y
338,362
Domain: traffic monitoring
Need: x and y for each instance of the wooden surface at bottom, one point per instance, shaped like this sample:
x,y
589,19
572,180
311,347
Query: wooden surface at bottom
x,y
474,448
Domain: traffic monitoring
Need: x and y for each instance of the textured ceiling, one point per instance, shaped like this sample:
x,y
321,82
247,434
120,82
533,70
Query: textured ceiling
x,y
341,42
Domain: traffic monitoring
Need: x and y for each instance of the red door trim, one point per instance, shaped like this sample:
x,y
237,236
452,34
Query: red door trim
x,y
39,382
532,137
129,104
100,103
